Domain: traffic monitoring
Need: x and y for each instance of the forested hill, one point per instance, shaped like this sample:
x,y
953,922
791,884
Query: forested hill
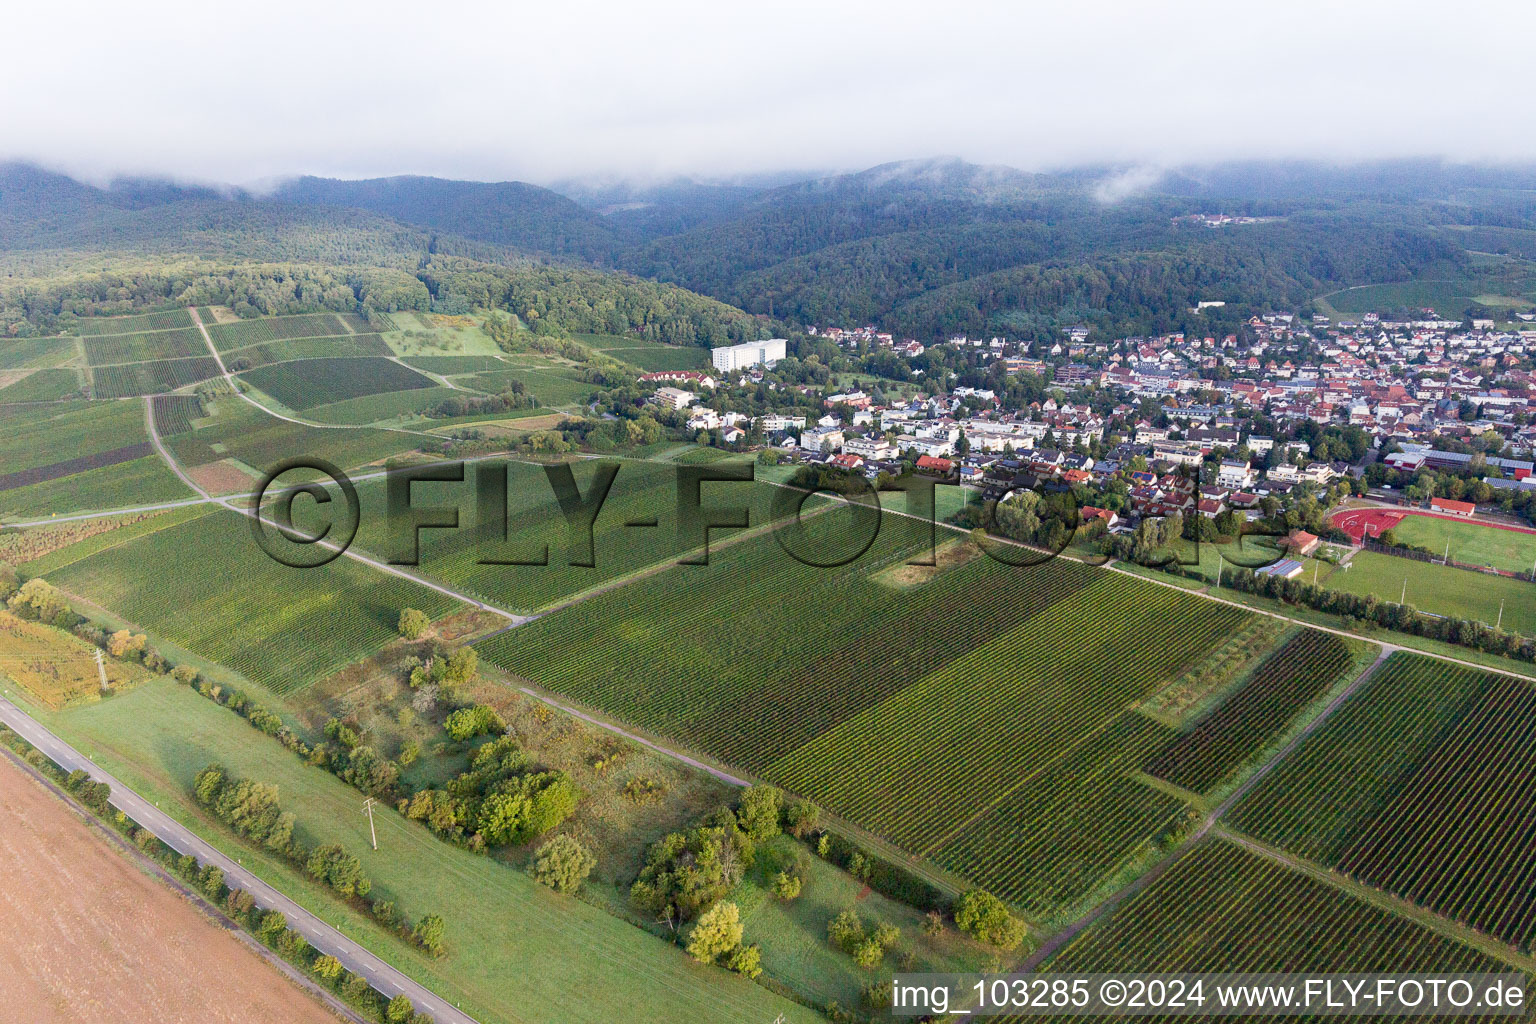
x,y
923,248
68,249
508,213
928,248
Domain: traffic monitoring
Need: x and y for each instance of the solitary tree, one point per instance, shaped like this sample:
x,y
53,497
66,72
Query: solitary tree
x,y
413,623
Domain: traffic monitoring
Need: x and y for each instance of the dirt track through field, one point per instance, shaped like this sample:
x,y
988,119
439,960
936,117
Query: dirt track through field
x,y
88,937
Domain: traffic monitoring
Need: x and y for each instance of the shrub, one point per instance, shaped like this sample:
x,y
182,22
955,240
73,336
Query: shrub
x,y
786,886
467,723
563,864
845,931
745,960
429,934
327,968
986,919
400,1010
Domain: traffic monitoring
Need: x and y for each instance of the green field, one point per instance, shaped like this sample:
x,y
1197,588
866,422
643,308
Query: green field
x,y
1418,785
280,627
241,431
1470,543
43,386
793,934
517,952
28,353
422,334
307,383
163,321
1441,590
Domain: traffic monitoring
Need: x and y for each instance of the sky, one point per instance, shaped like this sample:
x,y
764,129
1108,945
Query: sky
x,y
243,93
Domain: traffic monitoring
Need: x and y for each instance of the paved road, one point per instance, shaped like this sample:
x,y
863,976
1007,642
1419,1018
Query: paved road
x,y
181,839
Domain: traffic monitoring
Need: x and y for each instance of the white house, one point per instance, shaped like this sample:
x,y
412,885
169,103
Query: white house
x,y
1238,476
675,398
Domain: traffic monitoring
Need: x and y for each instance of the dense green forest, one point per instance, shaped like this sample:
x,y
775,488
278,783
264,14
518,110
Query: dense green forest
x,y
69,250
922,248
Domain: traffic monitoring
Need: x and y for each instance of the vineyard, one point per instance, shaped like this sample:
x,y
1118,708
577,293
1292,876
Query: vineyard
x,y
312,382
121,485
1224,909
69,467
988,692
1420,786
102,350
554,388
29,353
174,413
134,379
387,406
43,436
275,328
456,364
280,627
915,767
1065,829
640,492
1295,675
163,321
42,386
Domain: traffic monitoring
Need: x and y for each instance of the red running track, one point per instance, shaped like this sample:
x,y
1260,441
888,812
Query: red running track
x,y
1357,522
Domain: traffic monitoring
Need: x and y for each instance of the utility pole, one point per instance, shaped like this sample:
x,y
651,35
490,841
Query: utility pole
x,y
1500,624
368,809
1447,559
1404,598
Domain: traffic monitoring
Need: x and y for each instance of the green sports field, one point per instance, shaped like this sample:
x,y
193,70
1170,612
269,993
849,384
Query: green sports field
x,y
1439,589
1470,543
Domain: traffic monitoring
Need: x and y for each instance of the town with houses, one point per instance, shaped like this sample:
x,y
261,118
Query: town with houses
x,y
1129,419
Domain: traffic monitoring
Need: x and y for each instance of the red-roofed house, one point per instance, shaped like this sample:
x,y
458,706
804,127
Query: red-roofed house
x,y
1300,542
933,464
